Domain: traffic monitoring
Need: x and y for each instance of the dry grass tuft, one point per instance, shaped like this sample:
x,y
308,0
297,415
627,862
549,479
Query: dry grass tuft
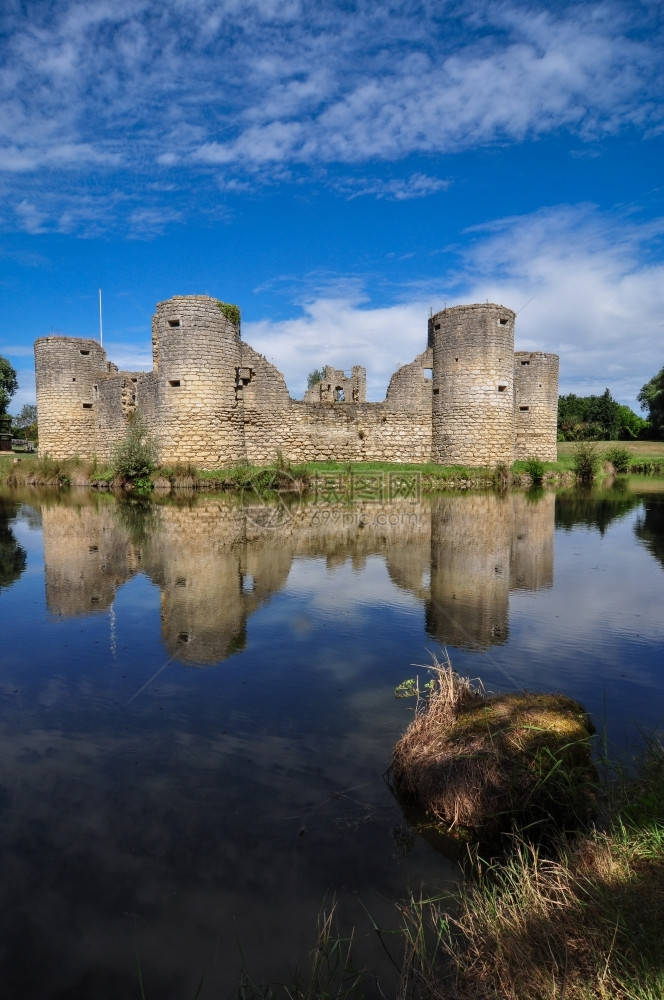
x,y
477,764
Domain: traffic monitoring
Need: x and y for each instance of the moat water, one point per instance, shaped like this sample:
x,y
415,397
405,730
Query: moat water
x,y
198,709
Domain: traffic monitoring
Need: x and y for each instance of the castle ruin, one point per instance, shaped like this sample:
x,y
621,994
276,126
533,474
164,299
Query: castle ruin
x,y
214,401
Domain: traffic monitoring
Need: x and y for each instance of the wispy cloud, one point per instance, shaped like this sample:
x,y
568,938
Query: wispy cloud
x,y
228,90
393,189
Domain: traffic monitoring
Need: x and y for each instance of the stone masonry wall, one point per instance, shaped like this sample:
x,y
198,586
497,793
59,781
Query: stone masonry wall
x,y
198,419
411,385
67,368
213,400
536,405
473,385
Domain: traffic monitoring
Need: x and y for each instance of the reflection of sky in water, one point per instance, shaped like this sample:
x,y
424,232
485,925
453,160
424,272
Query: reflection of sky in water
x,y
186,808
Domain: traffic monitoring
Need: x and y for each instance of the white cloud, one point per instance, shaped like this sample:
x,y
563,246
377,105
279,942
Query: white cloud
x,y
581,281
230,89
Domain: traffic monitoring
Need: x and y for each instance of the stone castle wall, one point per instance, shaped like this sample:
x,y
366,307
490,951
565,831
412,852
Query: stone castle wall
x,y
213,400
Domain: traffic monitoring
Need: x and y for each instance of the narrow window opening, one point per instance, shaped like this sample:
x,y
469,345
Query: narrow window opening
x,y
87,406
502,321
174,322
134,380
95,392
524,409
84,352
174,382
436,391
73,380
437,326
93,548
525,362
502,387
456,359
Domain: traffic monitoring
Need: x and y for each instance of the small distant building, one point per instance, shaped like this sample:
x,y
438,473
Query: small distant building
x,y
212,400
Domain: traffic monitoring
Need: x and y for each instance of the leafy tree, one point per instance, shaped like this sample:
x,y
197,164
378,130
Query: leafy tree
x,y
135,456
597,418
314,377
26,422
12,555
651,399
8,384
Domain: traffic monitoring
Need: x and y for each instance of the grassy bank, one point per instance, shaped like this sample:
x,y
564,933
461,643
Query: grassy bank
x,y
27,470
583,922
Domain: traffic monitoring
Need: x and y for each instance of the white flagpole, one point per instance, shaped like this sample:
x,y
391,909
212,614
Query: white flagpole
x,y
101,335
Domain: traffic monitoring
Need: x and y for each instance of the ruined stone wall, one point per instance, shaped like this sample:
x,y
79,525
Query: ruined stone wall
x,y
536,405
116,397
355,432
214,401
66,370
411,385
473,385
197,350
337,387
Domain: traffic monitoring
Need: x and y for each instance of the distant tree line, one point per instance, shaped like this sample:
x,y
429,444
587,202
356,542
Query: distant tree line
x,y
601,418
598,418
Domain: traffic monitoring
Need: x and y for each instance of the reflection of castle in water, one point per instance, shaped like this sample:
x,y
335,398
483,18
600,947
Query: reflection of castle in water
x,y
482,547
460,555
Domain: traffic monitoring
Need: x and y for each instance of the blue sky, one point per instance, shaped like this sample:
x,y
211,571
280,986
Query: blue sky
x,y
338,169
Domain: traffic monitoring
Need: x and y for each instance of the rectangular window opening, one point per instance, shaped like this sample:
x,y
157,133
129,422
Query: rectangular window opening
x,y
524,409
502,322
87,406
436,391
85,353
501,388
427,373
525,362
436,326
174,382
174,322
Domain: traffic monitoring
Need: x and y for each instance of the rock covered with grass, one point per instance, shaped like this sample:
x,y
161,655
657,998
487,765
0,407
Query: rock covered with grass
x,y
479,765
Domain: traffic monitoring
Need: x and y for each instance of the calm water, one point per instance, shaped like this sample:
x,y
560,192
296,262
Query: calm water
x,y
197,709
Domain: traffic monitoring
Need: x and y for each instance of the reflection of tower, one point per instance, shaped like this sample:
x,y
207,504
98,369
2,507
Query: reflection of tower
x,y
470,565
536,414
87,556
473,385
196,560
531,564
197,356
67,371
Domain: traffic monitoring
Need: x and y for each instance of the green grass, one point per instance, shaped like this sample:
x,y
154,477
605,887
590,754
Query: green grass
x,y
646,456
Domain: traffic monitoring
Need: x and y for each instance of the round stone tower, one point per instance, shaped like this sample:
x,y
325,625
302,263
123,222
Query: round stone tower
x,y
473,385
536,395
67,371
196,351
